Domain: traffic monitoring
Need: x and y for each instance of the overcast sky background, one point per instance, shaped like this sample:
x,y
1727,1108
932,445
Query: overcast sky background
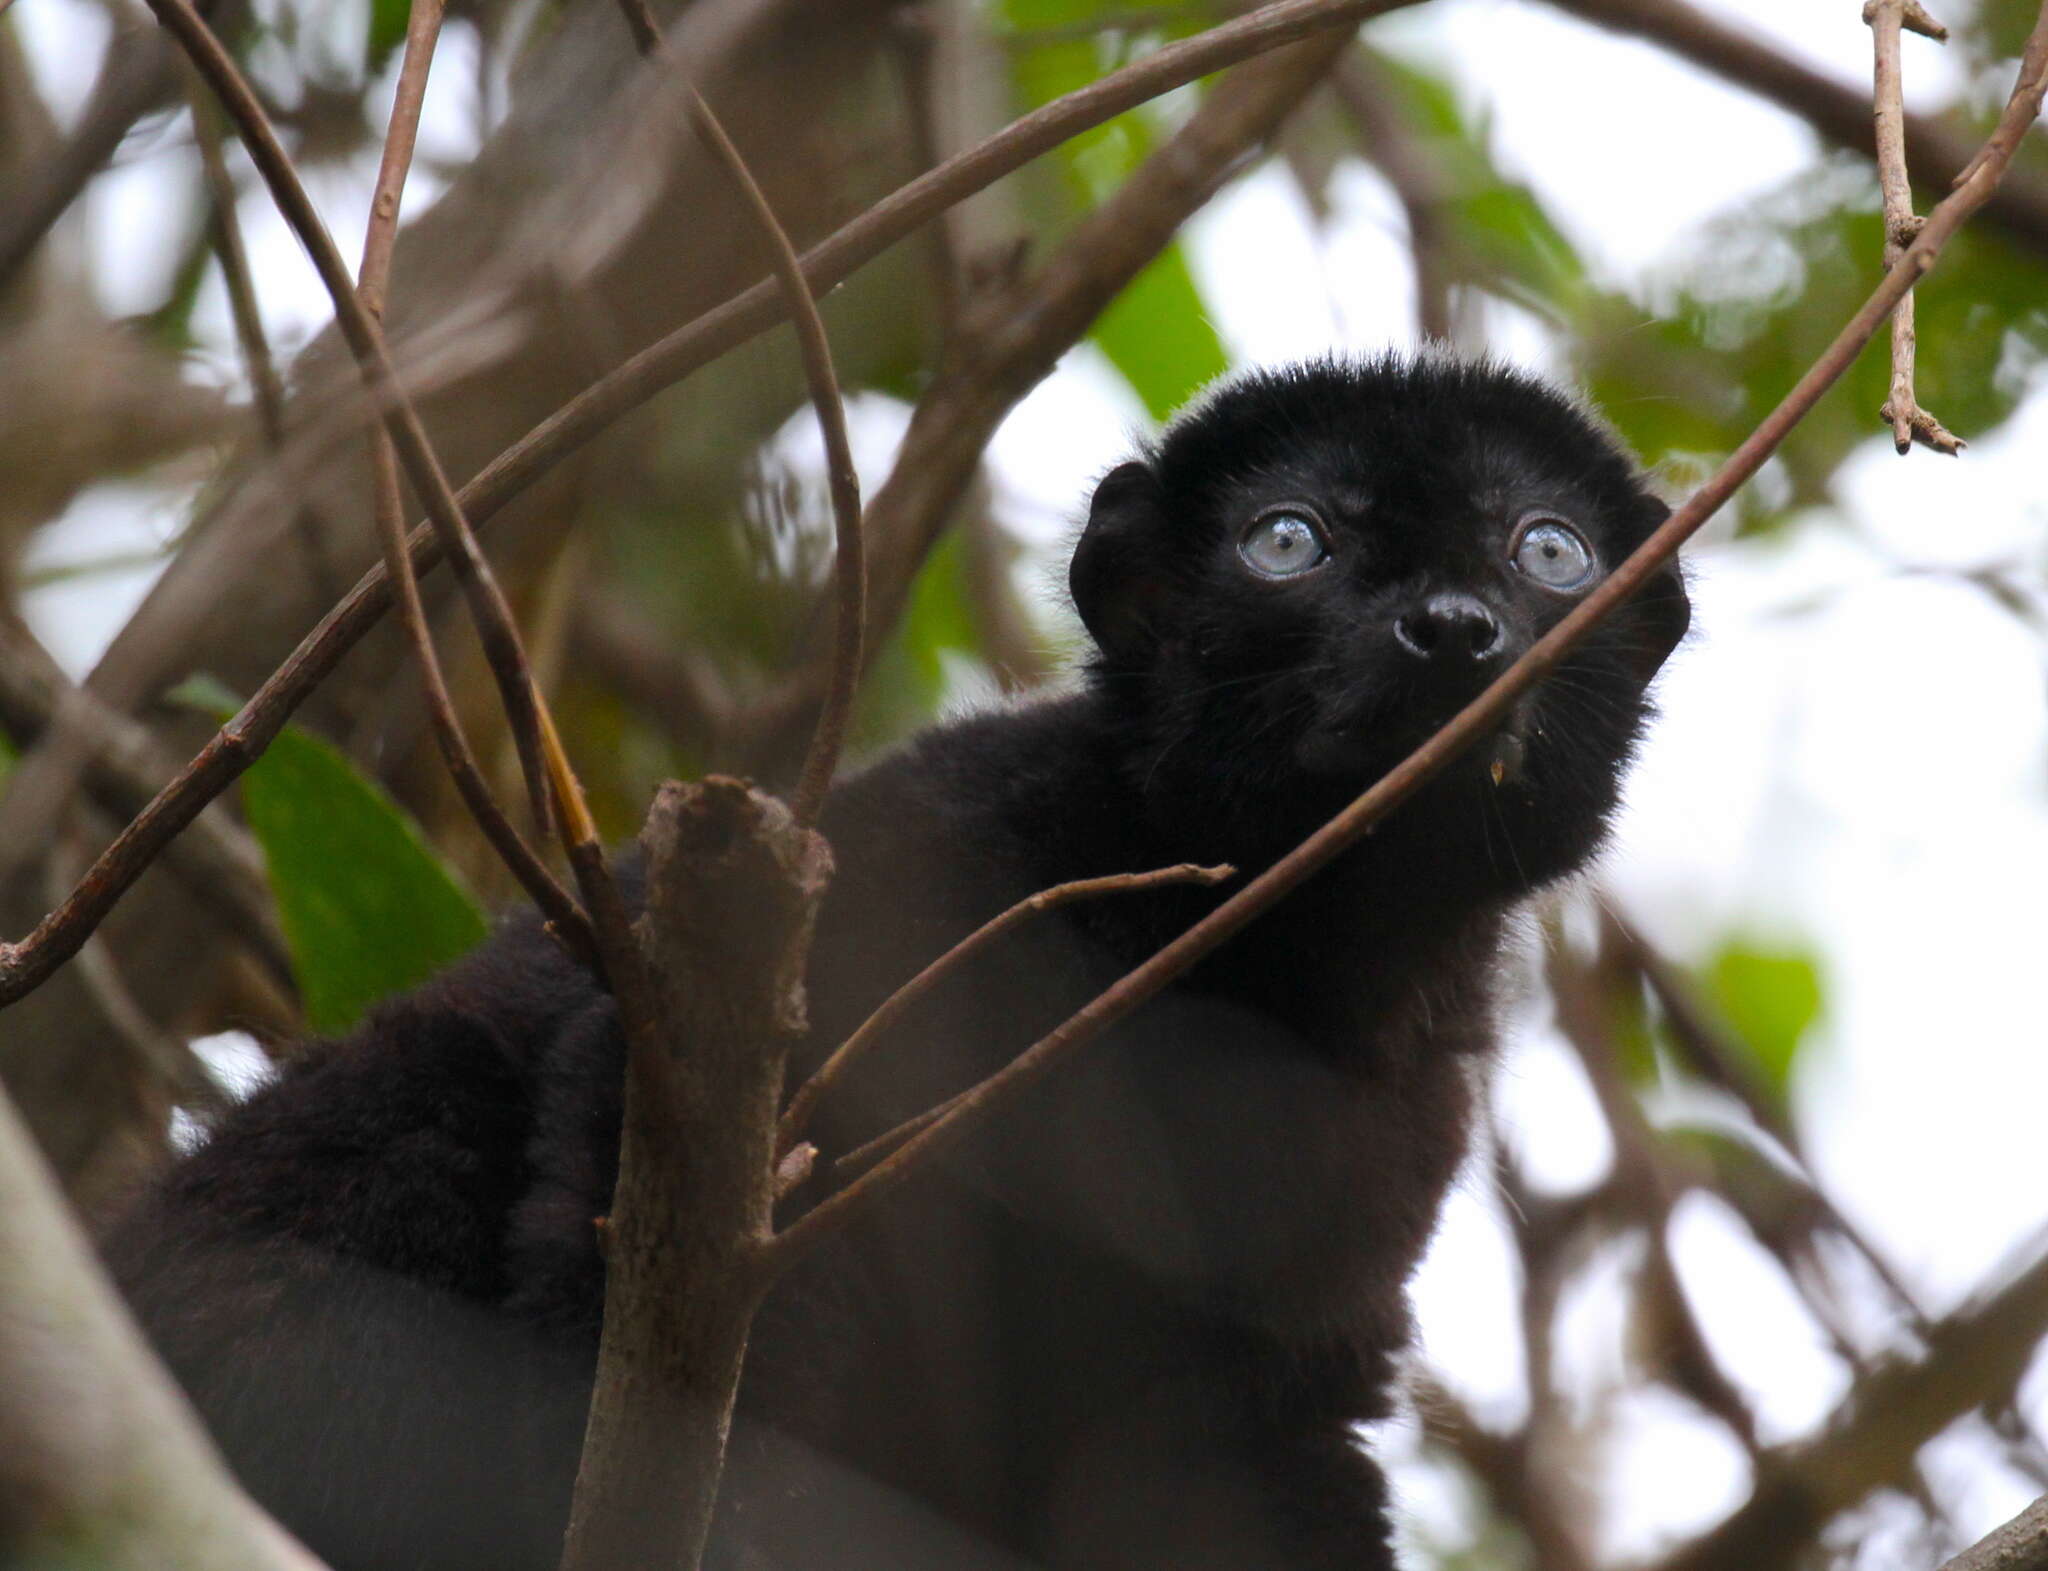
x,y
1854,753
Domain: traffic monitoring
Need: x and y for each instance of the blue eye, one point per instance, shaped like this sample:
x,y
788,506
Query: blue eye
x,y
1283,545
1554,554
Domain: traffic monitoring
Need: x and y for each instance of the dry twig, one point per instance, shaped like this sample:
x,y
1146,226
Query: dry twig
x,y
1887,18
850,1052
423,28
493,618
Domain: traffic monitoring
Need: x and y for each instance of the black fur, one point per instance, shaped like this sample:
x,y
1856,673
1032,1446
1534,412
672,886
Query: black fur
x,y
1135,1323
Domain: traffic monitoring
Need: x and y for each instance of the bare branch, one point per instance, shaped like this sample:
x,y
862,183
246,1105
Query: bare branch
x,y
1910,423
493,618
2020,1545
423,27
732,890
106,1464
1973,1356
796,1118
1478,717
124,768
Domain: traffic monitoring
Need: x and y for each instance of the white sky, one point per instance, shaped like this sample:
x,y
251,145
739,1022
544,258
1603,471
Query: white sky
x,y
1852,755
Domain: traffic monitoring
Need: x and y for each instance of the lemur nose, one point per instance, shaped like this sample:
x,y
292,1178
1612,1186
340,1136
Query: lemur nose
x,y
1449,627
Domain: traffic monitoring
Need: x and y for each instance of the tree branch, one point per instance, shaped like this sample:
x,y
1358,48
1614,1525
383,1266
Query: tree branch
x,y
732,890
124,767
1910,423
850,1052
2020,1545
1973,1357
105,1464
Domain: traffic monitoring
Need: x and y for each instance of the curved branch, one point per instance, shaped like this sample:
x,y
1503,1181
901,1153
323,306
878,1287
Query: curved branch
x,y
856,1046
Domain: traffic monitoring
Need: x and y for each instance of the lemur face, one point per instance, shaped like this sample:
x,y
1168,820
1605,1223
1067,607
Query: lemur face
x,y
1318,567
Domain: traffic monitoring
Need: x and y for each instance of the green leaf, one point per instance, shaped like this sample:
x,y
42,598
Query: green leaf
x,y
385,31
367,908
1157,333
1498,234
907,678
1772,998
1688,369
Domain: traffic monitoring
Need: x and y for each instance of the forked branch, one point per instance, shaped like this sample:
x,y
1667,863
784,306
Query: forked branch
x,y
856,1047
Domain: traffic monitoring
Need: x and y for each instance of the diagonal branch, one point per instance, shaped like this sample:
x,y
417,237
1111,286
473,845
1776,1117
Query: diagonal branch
x,y
870,1031
1973,1357
423,28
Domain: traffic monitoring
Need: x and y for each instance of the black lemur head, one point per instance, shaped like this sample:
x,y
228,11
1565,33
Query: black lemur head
x,y
1317,566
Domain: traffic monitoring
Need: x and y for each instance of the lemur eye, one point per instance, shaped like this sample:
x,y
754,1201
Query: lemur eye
x,y
1283,544
1554,554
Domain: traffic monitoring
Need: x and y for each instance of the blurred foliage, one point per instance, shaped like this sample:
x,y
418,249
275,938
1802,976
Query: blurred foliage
x,y
1499,235
1157,332
367,907
1691,368
1772,998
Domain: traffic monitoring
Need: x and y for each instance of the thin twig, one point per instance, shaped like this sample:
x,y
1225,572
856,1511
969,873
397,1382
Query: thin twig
x,y
423,28
26,964
124,767
1478,717
850,568
1910,423
264,382
796,1117
488,609
862,1157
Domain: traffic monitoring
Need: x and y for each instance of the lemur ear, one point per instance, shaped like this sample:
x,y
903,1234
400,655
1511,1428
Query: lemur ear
x,y
1117,579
